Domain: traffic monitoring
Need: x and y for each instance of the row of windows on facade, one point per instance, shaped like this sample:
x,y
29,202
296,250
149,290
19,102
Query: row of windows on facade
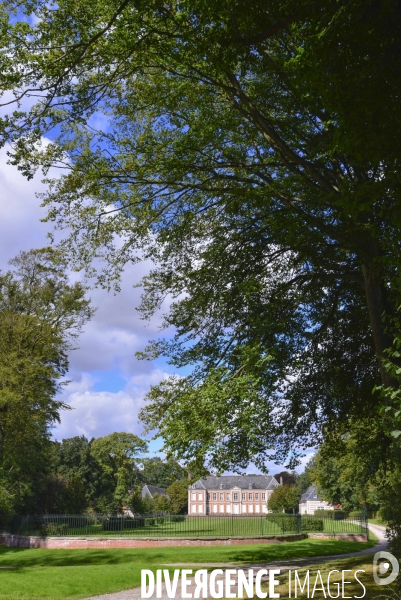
x,y
222,508
235,496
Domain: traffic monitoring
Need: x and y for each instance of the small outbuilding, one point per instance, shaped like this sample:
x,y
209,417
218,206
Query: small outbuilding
x,y
311,501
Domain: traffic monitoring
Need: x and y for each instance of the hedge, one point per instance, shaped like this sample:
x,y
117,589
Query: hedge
x,y
119,523
336,515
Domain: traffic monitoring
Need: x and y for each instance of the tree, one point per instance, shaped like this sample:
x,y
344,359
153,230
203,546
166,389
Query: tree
x,y
178,493
286,478
117,455
161,473
237,155
41,315
284,498
163,504
75,464
304,480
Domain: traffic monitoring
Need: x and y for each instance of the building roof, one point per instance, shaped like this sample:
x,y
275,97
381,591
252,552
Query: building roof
x,y
311,494
151,490
243,482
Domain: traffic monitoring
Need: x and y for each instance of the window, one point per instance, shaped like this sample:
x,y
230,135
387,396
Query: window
x,y
200,496
194,508
228,508
221,496
228,496
221,508
193,495
256,496
214,496
243,496
235,497
249,496
264,496
200,508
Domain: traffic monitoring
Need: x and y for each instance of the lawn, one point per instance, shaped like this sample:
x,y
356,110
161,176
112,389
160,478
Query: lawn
x,y
72,574
352,590
189,527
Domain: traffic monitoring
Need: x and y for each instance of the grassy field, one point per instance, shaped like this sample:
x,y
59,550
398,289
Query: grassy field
x,y
198,527
72,574
353,589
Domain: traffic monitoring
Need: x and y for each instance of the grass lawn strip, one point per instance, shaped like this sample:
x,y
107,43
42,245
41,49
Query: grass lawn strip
x,y
352,589
72,574
210,527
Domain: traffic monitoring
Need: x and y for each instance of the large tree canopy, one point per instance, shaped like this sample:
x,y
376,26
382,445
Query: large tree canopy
x,y
40,316
253,154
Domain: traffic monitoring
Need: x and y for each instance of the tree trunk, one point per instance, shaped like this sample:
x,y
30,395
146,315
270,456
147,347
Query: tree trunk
x,y
376,297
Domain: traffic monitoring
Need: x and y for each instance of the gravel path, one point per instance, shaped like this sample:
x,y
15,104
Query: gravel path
x,y
135,593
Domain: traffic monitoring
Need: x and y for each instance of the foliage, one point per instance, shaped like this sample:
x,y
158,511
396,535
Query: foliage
x,y
74,463
160,472
163,504
284,497
348,465
237,156
178,493
117,454
41,315
304,480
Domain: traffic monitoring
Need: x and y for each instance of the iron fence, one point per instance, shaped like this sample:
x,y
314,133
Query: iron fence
x,y
188,526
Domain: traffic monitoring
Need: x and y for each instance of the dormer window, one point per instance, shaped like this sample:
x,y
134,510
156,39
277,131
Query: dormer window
x,y
250,486
220,486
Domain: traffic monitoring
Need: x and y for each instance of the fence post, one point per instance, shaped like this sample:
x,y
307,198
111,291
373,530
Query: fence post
x,y
299,523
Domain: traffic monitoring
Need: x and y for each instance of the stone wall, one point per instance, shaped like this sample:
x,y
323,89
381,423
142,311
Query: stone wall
x,y
23,541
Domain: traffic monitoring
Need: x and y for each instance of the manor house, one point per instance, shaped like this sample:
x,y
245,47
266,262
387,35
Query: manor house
x,y
231,494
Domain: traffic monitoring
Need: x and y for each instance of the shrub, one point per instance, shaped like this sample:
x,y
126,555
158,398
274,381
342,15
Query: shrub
x,y
336,515
312,524
150,521
160,520
354,514
287,524
55,529
120,523
177,518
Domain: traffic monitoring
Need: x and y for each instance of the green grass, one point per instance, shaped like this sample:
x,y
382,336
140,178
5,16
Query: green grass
x,y
362,563
72,574
200,527
378,522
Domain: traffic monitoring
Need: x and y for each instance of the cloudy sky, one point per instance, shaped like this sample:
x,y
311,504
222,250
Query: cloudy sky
x,y
107,384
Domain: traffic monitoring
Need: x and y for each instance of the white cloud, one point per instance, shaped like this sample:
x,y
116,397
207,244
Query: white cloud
x,y
97,414
20,212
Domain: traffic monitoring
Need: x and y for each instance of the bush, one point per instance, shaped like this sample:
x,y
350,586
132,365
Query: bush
x,y
336,515
55,529
160,520
121,523
287,524
150,521
312,524
354,514
177,519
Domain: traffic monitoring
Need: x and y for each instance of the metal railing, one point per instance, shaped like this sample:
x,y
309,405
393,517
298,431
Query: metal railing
x,y
188,526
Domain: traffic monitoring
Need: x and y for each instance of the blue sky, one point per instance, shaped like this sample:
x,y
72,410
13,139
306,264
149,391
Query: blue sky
x,y
108,383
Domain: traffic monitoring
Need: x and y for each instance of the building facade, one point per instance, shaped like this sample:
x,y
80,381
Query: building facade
x,y
311,500
231,495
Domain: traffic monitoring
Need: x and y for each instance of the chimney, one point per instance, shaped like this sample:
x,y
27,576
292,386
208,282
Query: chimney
x,y
189,475
281,480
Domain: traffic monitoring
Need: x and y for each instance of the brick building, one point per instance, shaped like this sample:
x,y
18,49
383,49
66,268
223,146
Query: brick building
x,y
231,494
